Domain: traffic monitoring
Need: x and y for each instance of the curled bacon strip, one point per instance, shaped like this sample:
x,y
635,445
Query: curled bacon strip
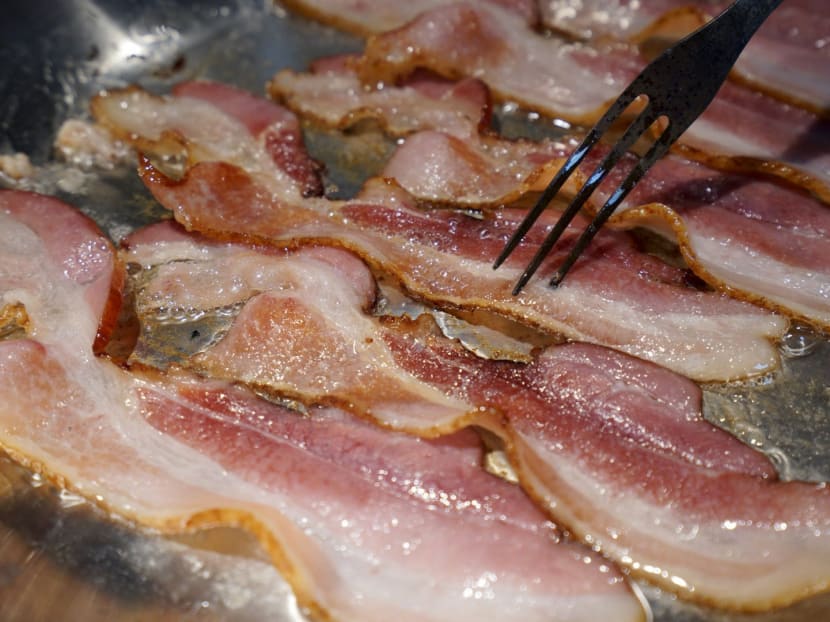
x,y
741,129
621,297
365,524
786,58
757,240
613,447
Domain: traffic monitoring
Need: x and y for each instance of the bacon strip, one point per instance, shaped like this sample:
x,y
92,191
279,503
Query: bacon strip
x,y
309,302
217,122
575,81
741,129
331,93
726,224
755,239
363,523
752,238
461,163
616,296
77,246
786,58
573,419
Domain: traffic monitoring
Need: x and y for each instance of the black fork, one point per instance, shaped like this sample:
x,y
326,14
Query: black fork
x,y
678,86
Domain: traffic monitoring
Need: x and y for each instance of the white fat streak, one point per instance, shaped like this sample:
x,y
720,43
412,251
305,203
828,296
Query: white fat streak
x,y
730,562
595,18
218,137
55,304
225,275
711,136
800,289
705,347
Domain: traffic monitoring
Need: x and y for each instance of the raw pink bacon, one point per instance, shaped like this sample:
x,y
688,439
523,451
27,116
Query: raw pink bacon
x,y
723,531
77,246
738,233
574,81
331,93
616,296
619,298
218,122
573,418
788,56
449,155
365,524
311,301
481,171
741,129
753,238
275,127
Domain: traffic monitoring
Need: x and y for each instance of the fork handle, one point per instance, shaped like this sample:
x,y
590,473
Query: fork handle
x,y
741,20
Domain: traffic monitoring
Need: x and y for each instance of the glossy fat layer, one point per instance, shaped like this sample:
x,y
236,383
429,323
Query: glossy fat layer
x,y
215,122
370,16
331,93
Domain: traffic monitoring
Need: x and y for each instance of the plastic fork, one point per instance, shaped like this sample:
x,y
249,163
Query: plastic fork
x,y
678,86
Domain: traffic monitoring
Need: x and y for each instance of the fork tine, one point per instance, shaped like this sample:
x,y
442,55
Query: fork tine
x,y
657,150
562,175
632,133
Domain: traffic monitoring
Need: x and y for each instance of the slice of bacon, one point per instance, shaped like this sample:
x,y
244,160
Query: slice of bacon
x,y
748,131
312,301
364,17
786,58
726,224
218,122
461,163
616,295
477,172
571,80
611,467
755,239
363,523
573,418
331,93
741,129
750,237
76,245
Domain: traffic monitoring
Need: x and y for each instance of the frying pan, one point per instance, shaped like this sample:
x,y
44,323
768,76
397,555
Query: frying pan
x,y
61,558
